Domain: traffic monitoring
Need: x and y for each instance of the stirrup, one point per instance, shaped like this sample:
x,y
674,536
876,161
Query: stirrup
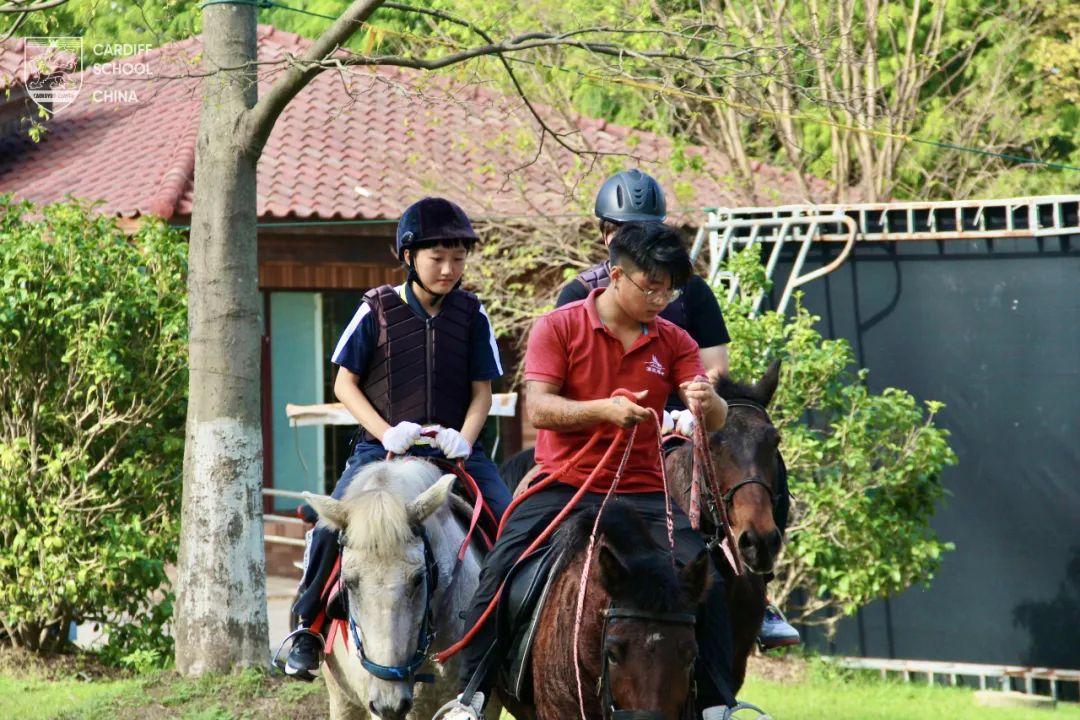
x,y
275,663
728,713
473,711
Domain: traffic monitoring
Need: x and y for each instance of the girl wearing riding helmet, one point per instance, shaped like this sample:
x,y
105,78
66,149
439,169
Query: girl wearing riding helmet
x,y
419,354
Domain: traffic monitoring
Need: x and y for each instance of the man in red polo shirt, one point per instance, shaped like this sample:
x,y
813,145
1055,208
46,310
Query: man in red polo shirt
x,y
577,357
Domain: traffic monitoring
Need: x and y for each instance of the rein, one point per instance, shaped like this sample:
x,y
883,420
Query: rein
x,y
449,652
719,503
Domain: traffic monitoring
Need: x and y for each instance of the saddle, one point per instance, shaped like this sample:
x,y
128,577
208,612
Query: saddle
x,y
517,618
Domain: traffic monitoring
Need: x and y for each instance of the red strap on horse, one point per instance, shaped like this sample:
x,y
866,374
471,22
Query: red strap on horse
x,y
478,507
703,466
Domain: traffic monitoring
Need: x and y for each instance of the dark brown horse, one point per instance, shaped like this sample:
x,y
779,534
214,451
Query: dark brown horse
x,y
744,455
745,459
636,646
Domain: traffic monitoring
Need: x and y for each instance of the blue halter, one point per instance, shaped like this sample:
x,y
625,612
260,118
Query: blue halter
x,y
406,672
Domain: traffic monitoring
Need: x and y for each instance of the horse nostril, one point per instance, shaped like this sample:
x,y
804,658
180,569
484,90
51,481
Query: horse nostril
x,y
773,541
372,710
747,541
404,707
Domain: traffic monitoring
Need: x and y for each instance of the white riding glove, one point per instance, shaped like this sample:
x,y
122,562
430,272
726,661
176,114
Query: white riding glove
x,y
401,437
684,422
452,444
667,424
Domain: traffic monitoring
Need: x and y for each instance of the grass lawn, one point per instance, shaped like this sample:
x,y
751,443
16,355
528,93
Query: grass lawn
x,y
33,690
791,689
36,697
825,693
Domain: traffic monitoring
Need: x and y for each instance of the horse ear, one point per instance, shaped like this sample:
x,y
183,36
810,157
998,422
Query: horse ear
x,y
613,573
331,512
695,578
766,386
430,500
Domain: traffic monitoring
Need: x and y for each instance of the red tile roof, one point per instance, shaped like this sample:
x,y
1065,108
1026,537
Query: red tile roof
x,y
404,135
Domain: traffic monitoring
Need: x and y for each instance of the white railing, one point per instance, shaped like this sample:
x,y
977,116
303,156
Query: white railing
x,y
1002,675
728,230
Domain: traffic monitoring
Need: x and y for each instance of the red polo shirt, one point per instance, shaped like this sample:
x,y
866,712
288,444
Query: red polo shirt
x,y
570,347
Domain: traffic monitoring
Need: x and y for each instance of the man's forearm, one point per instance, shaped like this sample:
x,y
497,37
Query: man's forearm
x,y
553,412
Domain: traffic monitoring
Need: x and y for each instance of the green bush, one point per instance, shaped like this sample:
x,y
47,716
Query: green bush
x,y
93,328
864,468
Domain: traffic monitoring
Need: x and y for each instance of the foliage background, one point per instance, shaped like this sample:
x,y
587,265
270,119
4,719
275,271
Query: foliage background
x,y
93,348
1000,76
864,468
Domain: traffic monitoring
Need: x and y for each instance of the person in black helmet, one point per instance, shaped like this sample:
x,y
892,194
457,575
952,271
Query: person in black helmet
x,y
419,354
633,196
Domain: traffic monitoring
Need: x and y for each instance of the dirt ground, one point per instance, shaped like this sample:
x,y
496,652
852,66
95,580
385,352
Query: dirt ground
x,y
781,669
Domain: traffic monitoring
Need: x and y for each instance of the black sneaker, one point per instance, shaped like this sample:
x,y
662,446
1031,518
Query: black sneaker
x,y
305,657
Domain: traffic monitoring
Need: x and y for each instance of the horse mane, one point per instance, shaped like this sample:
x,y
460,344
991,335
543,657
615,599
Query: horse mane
x,y
377,501
656,587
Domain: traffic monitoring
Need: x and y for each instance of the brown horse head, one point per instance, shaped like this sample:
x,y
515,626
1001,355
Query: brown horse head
x,y
745,459
649,653
637,644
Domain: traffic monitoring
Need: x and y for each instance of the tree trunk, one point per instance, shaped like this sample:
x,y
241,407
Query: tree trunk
x,y
221,600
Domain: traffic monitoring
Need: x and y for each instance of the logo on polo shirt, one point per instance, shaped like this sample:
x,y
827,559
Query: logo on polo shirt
x,y
654,366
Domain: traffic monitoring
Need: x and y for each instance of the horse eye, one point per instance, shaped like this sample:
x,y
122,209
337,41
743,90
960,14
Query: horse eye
x,y
614,653
414,583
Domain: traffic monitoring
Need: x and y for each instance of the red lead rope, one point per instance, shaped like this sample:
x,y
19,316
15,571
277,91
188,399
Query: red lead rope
x,y
454,649
703,466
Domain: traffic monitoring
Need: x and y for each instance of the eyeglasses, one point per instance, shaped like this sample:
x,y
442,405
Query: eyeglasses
x,y
656,296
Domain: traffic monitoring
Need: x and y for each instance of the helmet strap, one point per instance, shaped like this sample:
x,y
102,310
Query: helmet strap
x,y
413,277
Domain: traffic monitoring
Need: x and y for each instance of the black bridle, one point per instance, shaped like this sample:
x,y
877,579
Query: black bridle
x,y
406,672
728,498
607,700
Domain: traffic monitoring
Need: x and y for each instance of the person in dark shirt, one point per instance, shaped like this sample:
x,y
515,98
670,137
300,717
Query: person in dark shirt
x,y
634,196
421,354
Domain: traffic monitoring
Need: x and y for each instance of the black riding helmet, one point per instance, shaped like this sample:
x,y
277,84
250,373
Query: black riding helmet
x,y
429,222
631,196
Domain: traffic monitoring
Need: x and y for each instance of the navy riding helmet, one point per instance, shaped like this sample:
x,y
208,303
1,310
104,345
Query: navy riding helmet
x,y
631,196
433,219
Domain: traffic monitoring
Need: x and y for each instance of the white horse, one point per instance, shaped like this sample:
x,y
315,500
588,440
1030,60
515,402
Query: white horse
x,y
397,590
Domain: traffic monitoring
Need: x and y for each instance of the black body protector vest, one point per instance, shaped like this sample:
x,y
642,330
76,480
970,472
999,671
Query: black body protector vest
x,y
420,368
599,276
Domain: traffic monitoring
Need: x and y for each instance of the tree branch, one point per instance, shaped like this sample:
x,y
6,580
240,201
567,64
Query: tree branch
x,y
261,118
14,6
